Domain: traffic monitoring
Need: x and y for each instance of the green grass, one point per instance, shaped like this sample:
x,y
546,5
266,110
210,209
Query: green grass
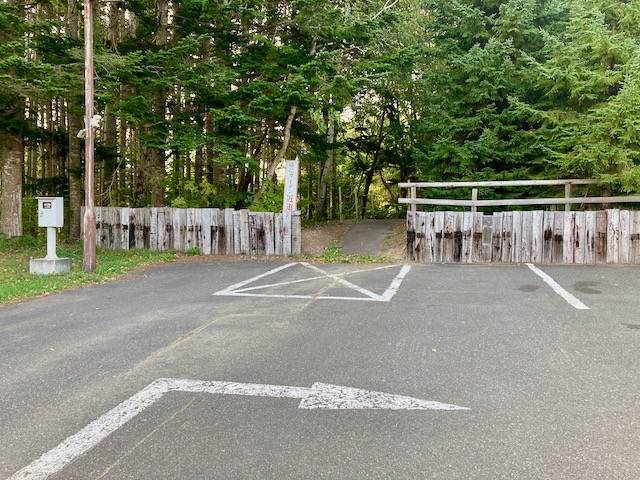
x,y
334,254
16,283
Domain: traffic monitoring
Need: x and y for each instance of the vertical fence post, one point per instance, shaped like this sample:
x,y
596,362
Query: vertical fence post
x,y
474,200
340,201
567,194
414,195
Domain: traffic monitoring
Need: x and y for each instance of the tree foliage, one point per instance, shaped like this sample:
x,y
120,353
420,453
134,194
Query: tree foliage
x,y
202,100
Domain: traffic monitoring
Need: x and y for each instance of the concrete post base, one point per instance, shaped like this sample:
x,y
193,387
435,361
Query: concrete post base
x,y
45,266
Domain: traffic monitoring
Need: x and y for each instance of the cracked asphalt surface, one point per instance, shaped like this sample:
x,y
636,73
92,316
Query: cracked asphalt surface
x,y
553,391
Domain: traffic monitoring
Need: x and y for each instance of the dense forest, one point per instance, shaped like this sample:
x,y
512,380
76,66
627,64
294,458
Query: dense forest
x,y
200,101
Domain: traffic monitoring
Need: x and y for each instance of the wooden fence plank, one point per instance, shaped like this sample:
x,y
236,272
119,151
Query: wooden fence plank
x,y
568,243
590,234
146,230
237,250
181,213
278,233
102,232
476,234
496,240
439,237
484,253
123,221
190,229
601,237
579,238
244,231
113,233
198,229
548,219
625,228
207,221
260,234
132,228
447,236
526,236
296,237
221,232
429,237
467,237
507,225
537,236
412,221
229,231
269,233
613,236
419,238
168,222
516,235
215,230
457,237
558,236
634,238
252,243
153,228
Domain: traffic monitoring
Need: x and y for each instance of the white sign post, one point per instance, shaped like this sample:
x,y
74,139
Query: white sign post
x,y
289,202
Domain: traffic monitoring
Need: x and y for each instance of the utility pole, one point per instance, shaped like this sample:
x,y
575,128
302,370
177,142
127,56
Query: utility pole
x,y
89,220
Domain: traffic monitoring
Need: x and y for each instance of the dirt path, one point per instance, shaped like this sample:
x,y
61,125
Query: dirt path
x,y
367,237
364,237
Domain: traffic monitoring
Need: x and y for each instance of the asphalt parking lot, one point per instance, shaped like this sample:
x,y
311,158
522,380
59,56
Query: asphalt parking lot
x,y
274,370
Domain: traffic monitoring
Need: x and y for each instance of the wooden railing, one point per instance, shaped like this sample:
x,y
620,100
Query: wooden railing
x,y
413,200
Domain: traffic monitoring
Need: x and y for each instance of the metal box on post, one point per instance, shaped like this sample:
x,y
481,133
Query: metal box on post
x,y
50,216
51,212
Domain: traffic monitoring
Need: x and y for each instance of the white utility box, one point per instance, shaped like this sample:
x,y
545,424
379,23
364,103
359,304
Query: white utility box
x,y
51,216
51,212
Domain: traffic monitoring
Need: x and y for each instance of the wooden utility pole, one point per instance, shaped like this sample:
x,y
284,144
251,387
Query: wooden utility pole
x,y
89,220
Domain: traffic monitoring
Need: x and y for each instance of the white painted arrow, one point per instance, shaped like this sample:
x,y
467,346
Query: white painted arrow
x,y
318,396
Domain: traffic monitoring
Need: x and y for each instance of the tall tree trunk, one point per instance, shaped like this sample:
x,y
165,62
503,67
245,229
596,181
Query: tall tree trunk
x,y
108,171
121,197
197,168
11,157
111,142
157,157
271,170
374,165
327,170
74,122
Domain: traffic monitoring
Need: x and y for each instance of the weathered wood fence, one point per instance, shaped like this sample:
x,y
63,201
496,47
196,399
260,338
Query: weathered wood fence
x,y
589,237
212,231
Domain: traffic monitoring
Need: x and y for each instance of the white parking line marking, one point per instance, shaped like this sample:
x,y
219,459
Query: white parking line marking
x,y
314,297
569,298
258,277
320,396
395,284
344,282
308,279
237,289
